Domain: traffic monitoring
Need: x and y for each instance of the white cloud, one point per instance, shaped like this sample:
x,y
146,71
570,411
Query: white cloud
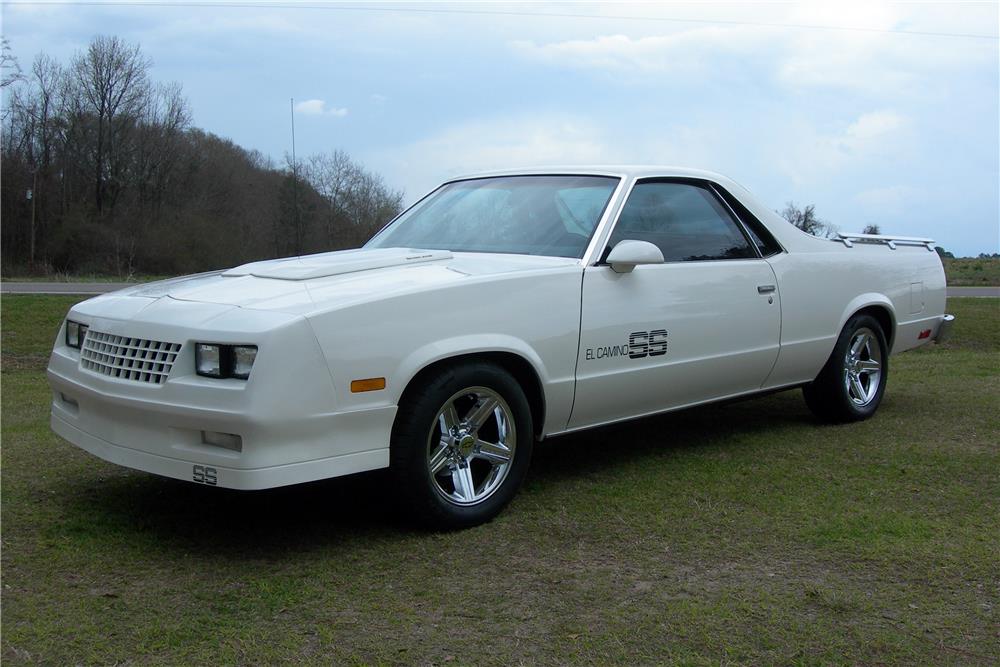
x,y
880,62
319,108
684,51
810,155
494,143
804,45
541,139
870,127
888,200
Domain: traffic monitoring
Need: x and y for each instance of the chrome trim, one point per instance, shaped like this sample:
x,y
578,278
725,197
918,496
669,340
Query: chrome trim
x,y
862,372
610,216
944,329
891,241
484,437
607,225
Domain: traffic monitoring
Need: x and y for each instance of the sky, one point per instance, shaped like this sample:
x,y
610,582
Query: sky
x,y
876,113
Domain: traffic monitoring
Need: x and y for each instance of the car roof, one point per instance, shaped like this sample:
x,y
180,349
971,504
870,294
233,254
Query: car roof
x,y
622,171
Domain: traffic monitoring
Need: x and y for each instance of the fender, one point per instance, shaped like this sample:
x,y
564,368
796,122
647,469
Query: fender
x,y
865,301
558,392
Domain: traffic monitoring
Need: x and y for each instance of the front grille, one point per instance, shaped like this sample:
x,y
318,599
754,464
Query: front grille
x,y
128,358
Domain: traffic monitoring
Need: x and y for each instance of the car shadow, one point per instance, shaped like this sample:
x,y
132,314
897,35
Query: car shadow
x,y
338,512
626,443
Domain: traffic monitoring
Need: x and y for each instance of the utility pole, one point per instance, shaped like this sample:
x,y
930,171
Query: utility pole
x,y
295,185
31,196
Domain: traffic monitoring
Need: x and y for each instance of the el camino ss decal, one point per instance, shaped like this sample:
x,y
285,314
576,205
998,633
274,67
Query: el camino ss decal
x,y
641,344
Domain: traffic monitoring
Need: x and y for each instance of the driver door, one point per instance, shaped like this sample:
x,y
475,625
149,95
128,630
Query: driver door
x,y
703,325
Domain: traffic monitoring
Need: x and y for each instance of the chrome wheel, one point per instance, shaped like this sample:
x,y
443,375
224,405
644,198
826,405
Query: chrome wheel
x,y
863,367
470,447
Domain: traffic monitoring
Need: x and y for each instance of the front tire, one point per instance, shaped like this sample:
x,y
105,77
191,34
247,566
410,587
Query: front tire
x,y
851,385
461,445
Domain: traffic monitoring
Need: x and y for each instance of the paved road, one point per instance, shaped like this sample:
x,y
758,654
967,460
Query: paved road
x,y
101,288
974,291
60,288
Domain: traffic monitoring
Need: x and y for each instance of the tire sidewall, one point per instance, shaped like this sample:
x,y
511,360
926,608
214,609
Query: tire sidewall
x,y
835,370
418,411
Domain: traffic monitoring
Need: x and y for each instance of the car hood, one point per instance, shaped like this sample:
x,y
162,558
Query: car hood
x,y
327,280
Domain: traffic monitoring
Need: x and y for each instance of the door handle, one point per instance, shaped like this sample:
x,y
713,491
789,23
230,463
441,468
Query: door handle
x,y
765,289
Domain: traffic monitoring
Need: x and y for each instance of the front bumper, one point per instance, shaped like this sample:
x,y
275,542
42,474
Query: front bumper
x,y
196,468
283,419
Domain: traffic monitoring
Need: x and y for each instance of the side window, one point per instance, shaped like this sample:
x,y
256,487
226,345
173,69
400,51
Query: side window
x,y
685,221
763,239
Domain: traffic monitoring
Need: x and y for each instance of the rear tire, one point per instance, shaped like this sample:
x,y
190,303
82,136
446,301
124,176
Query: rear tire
x,y
851,385
461,445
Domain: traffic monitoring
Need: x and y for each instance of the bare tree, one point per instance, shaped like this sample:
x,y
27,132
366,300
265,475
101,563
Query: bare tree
x,y
10,74
121,182
806,220
333,175
157,143
871,229
356,202
111,77
46,76
11,70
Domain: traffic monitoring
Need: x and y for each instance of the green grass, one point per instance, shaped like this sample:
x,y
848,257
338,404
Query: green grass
x,y
961,272
972,272
740,534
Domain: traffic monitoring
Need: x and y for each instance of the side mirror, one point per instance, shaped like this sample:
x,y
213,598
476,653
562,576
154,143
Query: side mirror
x,y
629,254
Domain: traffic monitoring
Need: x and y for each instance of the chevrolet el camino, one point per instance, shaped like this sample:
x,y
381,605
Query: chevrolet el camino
x,y
498,310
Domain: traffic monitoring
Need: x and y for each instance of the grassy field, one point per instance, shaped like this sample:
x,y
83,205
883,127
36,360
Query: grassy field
x,y
737,534
970,272
962,272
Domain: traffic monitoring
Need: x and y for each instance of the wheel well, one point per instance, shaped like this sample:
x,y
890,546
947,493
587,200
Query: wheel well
x,y
518,367
885,320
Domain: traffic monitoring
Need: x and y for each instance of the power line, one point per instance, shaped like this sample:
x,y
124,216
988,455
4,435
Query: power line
x,y
325,6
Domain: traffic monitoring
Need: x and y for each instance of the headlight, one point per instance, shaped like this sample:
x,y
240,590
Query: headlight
x,y
243,358
75,333
208,360
224,361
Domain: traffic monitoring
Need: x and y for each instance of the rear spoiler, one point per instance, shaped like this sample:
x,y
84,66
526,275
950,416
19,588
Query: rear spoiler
x,y
891,241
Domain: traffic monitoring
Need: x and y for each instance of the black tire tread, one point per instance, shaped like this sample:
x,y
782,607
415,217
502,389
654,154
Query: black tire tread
x,y
406,447
826,397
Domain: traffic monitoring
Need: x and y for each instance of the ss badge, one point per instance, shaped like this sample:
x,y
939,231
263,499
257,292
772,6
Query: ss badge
x,y
204,475
647,343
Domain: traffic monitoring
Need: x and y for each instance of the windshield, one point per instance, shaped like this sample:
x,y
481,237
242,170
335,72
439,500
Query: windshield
x,y
526,215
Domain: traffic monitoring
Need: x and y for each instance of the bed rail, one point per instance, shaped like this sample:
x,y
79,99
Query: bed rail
x,y
891,241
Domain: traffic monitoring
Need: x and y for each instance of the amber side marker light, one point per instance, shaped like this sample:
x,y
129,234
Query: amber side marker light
x,y
369,384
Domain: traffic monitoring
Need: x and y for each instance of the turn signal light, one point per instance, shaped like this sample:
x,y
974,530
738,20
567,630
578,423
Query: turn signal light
x,y
369,384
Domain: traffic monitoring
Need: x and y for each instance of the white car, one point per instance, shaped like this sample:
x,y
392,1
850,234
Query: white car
x,y
497,310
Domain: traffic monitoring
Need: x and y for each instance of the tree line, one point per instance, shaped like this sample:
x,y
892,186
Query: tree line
x,y
104,172
807,220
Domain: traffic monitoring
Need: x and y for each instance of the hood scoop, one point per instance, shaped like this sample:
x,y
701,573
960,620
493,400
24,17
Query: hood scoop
x,y
337,263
